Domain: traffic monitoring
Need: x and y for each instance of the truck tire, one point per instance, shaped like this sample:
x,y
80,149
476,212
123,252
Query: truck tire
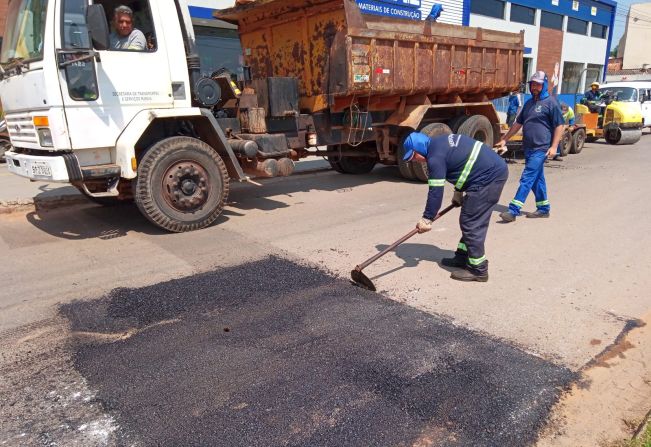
x,y
405,168
456,122
351,165
566,143
431,130
479,128
182,184
578,141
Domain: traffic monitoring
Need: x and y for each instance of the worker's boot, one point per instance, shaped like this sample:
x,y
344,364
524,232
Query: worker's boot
x,y
469,275
458,261
538,215
507,216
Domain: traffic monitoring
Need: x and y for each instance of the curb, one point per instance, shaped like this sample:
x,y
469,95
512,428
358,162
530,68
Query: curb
x,y
36,203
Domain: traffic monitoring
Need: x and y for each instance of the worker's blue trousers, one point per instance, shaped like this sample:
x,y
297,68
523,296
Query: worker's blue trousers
x,y
533,179
474,218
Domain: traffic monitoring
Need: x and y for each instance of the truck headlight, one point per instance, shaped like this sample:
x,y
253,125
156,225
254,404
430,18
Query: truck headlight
x,y
45,137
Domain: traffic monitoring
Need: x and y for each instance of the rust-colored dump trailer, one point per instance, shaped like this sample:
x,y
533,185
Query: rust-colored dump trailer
x,y
340,56
324,74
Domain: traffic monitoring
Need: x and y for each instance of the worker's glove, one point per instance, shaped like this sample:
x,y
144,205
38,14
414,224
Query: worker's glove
x,y
457,198
424,225
501,150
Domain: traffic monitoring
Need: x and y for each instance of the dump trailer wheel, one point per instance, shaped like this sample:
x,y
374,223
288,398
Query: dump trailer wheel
x,y
406,169
456,122
182,184
478,128
566,143
334,161
578,141
352,165
431,130
621,136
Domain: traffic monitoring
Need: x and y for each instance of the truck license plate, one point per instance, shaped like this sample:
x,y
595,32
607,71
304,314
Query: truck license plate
x,y
41,169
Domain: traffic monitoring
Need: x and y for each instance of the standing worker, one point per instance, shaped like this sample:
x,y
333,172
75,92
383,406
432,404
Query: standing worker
x,y
569,119
473,168
514,108
542,127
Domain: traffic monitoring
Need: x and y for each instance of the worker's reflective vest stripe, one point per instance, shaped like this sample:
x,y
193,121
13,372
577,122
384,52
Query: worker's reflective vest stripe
x,y
436,182
468,167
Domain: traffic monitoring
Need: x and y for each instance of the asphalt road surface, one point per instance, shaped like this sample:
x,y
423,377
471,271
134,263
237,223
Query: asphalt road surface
x,y
114,333
271,353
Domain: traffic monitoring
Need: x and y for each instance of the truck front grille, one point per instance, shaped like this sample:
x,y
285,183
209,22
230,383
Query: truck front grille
x,y
21,129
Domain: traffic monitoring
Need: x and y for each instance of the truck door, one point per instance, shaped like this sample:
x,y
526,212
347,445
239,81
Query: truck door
x,y
104,90
645,99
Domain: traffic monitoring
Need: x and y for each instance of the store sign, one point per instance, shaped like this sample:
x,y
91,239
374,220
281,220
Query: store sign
x,y
402,9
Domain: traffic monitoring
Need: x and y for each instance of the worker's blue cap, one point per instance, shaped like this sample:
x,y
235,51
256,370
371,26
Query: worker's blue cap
x,y
416,142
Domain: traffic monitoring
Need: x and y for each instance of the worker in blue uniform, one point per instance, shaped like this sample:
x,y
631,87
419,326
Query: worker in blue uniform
x,y
474,169
541,122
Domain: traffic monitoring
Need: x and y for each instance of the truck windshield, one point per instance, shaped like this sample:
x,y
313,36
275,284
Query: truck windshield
x,y
624,94
25,31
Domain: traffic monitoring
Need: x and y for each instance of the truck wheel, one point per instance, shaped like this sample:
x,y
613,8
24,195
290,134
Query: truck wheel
x,y
351,165
431,130
182,184
566,143
456,122
405,168
334,161
578,141
479,128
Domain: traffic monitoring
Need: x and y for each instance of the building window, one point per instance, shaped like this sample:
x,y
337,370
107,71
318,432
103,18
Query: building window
x,y
490,8
593,74
551,20
598,31
572,72
522,14
577,26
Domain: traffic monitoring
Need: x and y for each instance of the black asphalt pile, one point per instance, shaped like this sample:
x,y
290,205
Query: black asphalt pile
x,y
272,353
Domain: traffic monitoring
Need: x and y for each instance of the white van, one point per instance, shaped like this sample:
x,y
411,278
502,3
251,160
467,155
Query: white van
x,y
642,94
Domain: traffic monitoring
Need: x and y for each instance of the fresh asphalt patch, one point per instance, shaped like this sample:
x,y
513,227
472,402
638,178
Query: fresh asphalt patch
x,y
273,353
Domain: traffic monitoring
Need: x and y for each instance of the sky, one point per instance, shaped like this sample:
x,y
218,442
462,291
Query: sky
x,y
620,19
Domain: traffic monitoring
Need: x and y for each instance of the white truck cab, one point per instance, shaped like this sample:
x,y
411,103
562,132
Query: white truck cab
x,y
81,112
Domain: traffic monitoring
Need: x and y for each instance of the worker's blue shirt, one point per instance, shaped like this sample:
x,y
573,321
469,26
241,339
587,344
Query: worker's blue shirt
x,y
592,96
514,105
448,159
539,120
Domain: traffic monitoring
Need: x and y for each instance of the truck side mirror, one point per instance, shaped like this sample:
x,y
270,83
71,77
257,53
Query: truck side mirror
x,y
98,26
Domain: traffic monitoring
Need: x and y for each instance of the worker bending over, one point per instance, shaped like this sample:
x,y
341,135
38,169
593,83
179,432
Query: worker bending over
x,y
474,169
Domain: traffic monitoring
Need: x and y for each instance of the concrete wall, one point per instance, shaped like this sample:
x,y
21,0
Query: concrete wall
x,y
638,35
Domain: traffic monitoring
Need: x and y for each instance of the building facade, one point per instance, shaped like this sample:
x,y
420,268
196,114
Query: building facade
x,y
570,40
633,45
